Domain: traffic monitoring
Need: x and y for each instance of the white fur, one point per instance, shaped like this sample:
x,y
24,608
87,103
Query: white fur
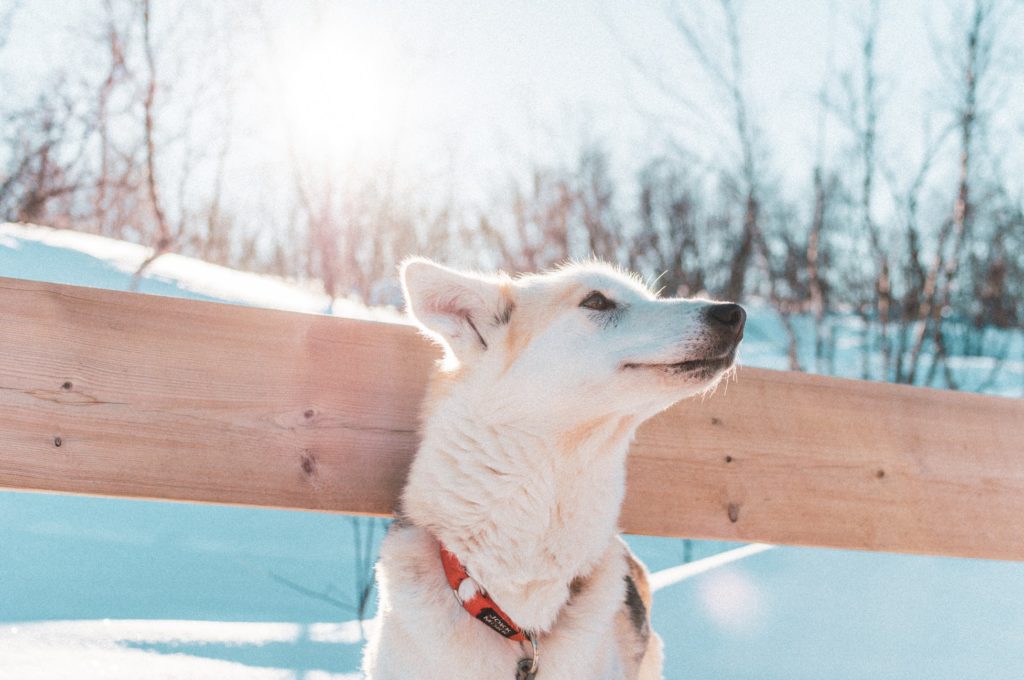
x,y
521,469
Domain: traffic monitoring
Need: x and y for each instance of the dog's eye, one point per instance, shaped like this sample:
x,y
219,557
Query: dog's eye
x,y
596,301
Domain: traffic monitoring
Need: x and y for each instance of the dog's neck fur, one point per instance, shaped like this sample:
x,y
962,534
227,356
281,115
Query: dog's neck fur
x,y
490,492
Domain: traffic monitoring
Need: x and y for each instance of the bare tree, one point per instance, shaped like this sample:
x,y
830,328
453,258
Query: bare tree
x,y
164,238
726,73
558,214
596,200
867,134
979,40
93,151
47,151
670,242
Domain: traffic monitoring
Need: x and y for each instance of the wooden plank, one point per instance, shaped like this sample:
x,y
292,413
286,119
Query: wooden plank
x,y
799,459
134,395
128,395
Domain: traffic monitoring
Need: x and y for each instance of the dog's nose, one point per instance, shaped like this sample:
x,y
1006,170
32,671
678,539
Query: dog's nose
x,y
728,316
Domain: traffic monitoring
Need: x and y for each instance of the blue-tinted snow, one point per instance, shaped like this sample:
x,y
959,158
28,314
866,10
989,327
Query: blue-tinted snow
x,y
78,574
793,613
61,256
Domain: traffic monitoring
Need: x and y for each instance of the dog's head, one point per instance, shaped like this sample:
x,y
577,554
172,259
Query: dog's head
x,y
586,337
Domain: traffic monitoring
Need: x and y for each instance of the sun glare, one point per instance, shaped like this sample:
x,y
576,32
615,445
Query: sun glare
x,y
341,95
731,599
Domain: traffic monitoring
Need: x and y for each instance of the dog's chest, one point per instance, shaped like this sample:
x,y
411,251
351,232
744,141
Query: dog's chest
x,y
424,627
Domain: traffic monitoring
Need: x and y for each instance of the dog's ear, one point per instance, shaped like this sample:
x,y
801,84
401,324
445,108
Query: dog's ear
x,y
461,310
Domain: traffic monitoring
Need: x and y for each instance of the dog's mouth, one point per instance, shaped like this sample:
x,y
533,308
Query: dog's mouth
x,y
704,366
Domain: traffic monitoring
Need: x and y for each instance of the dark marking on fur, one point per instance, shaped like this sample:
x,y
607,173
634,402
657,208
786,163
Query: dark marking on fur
x,y
308,463
728,459
637,609
880,474
716,421
66,386
502,318
58,442
734,512
472,325
576,586
309,413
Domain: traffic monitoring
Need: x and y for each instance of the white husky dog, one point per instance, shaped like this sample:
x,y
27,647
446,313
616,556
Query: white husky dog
x,y
505,561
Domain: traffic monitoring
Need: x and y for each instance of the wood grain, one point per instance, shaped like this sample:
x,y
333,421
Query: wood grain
x,y
117,394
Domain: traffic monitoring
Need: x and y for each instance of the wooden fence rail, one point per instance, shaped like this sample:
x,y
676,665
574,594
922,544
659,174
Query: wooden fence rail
x,y
118,394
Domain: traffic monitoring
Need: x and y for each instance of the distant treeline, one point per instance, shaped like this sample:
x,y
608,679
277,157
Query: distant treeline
x,y
125,149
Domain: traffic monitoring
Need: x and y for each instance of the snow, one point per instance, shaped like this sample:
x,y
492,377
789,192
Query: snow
x,y
112,589
63,256
132,649
796,613
678,574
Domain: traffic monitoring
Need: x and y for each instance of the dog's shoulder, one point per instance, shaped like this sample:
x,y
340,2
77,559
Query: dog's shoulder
x,y
638,592
638,599
633,620
409,556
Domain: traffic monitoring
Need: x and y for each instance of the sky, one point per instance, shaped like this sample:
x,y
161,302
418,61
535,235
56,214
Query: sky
x,y
503,82
459,95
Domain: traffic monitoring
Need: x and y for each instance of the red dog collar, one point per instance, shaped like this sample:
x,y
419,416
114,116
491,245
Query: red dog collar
x,y
480,605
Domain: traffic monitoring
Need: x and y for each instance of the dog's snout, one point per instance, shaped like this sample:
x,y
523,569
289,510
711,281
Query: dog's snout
x,y
727,316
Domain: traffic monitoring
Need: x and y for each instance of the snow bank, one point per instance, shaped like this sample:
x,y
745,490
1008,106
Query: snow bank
x,y
133,649
63,256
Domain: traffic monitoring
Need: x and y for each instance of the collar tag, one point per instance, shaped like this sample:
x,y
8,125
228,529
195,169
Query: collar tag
x,y
526,670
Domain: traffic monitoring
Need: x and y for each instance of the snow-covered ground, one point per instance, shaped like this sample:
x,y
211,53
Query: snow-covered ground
x,y
63,256
171,649
102,588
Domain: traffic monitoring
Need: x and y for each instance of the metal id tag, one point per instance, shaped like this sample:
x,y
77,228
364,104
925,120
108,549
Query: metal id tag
x,y
527,670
